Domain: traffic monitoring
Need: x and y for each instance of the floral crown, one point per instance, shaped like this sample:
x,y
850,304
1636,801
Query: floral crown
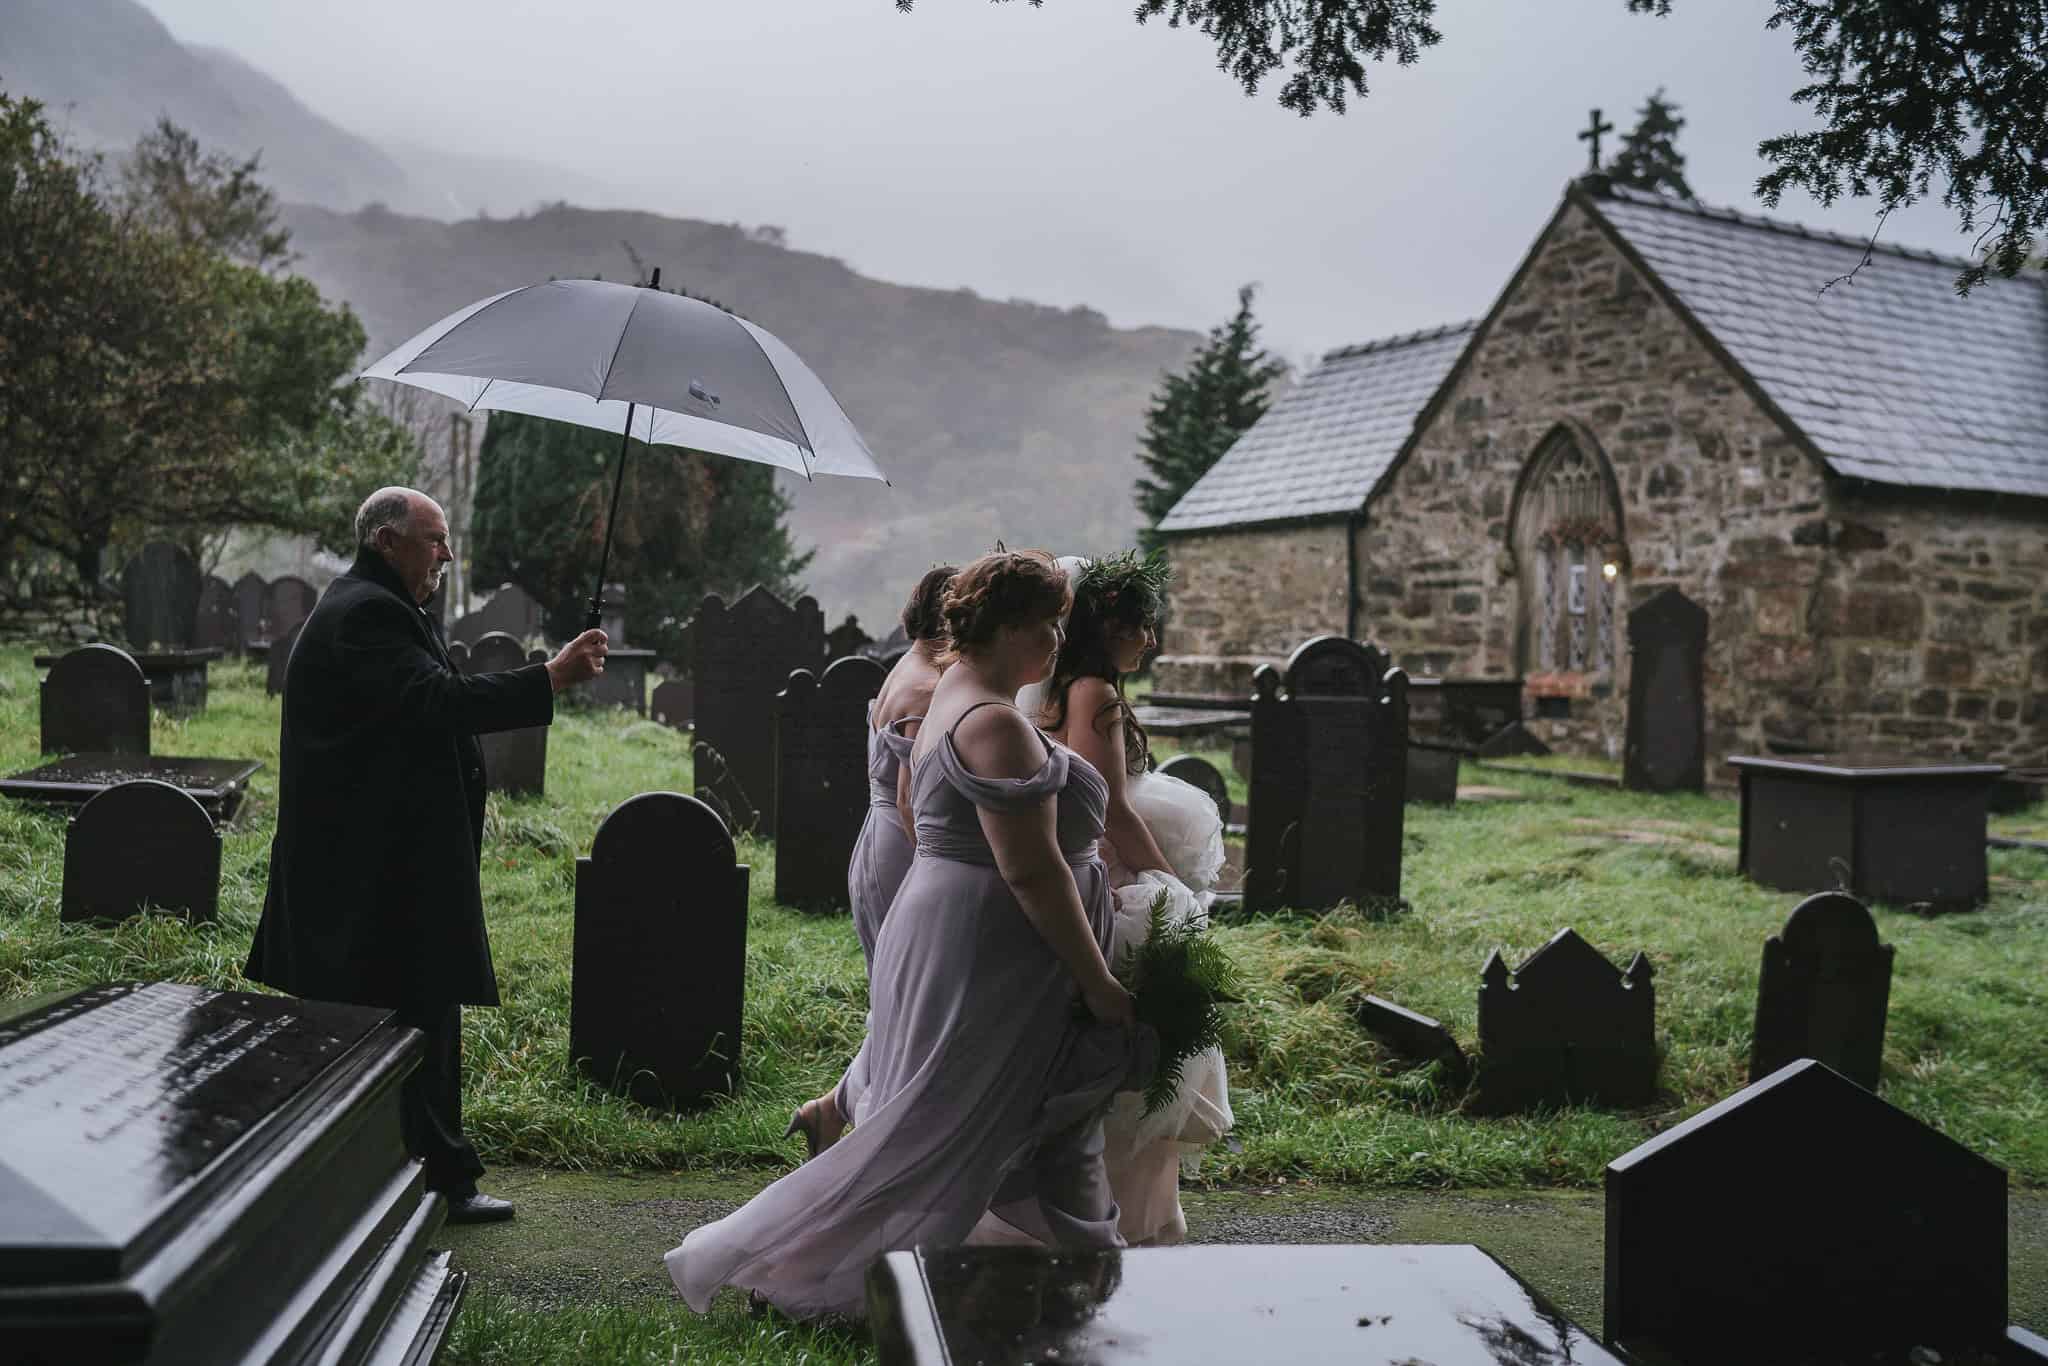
x,y
1127,585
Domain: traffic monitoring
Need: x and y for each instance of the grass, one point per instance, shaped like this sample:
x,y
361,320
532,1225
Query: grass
x,y
1318,1103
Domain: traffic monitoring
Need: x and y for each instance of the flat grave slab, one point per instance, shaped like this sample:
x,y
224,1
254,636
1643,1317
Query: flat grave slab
x,y
1883,827
1360,1305
1189,722
217,784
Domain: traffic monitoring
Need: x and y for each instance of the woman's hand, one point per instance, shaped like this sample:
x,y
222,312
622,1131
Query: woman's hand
x,y
1109,1003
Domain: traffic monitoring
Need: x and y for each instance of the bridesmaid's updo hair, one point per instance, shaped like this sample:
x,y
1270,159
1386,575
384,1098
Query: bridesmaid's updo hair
x,y
1007,588
924,616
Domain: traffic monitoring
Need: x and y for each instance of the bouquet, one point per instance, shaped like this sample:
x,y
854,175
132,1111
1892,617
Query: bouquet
x,y
1179,979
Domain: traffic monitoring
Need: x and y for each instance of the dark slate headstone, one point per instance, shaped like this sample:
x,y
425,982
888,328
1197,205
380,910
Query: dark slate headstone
x,y
675,703
821,780
744,654
95,700
511,610
1667,696
1329,779
1823,991
1412,1034
218,622
252,607
846,639
515,761
659,964
1806,1206
141,844
204,1176
286,603
1199,772
458,655
1359,1304
1432,772
160,596
1569,1028
278,659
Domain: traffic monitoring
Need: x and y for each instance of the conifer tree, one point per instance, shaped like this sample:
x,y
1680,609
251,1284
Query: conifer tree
x,y
1649,158
1198,413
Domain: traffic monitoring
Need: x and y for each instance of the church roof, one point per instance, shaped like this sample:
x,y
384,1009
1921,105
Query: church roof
x,y
1891,376
1322,447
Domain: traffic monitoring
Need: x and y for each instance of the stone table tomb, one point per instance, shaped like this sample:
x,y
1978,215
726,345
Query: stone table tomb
x,y
141,845
660,959
821,780
218,785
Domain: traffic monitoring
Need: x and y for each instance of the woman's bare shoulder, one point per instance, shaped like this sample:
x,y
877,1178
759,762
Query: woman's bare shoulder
x,y
995,741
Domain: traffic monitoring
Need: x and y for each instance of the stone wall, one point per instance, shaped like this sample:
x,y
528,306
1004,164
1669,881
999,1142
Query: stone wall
x,y
1246,598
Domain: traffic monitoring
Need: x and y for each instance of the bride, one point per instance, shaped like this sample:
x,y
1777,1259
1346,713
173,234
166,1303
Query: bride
x,y
1161,835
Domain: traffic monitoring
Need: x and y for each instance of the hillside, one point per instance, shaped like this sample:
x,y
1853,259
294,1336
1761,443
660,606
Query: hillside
x,y
993,419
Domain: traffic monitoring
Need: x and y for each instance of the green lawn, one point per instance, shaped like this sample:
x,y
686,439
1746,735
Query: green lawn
x,y
1317,1102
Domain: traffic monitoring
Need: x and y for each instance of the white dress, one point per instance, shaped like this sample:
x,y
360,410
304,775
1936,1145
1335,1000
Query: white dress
x,y
1143,1153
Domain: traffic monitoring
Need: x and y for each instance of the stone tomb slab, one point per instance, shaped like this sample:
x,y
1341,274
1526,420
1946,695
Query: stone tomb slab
x,y
1804,1219
216,784
1412,1034
192,1175
1358,1305
1567,1027
821,780
141,845
658,968
515,761
1882,827
95,700
1823,991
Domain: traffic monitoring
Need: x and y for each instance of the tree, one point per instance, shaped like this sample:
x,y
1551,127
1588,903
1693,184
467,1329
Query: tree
x,y
1198,413
1649,158
1910,94
689,524
204,199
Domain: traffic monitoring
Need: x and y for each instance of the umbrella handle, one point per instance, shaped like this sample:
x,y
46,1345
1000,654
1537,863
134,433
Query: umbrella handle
x,y
594,617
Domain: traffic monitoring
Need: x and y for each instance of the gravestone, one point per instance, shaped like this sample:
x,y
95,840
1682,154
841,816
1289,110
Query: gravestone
x,y
202,1176
1329,779
821,780
286,603
1805,1219
743,656
252,599
846,639
95,701
511,610
458,655
1566,1028
675,703
1412,1034
1358,1304
1199,772
277,660
1432,771
660,958
218,622
160,588
141,843
1667,696
889,648
515,761
1823,990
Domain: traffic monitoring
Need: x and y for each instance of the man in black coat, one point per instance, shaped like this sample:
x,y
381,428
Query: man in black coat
x,y
374,895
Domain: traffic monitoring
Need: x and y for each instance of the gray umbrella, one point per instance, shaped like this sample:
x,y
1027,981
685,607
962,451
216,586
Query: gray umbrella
x,y
668,369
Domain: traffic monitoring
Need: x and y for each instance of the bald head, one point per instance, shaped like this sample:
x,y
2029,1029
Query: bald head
x,y
409,530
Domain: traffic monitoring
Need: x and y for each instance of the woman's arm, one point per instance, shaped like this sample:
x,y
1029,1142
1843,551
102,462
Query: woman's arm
x,y
1101,743
903,787
995,742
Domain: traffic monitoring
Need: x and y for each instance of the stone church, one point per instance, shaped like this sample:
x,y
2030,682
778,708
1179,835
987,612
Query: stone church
x,y
1852,481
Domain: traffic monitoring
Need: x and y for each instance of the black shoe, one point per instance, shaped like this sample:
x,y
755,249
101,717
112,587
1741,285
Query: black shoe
x,y
475,1208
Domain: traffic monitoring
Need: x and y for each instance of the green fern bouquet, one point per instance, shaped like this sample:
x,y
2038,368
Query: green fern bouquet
x,y
1179,979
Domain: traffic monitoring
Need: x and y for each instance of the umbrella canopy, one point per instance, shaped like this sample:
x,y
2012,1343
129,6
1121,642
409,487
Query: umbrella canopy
x,y
600,354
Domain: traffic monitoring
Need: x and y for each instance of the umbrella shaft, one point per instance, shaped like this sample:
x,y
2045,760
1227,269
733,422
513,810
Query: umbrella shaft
x,y
595,616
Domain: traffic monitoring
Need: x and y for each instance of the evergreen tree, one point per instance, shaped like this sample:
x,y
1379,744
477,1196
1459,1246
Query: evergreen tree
x,y
1649,158
1197,414
689,524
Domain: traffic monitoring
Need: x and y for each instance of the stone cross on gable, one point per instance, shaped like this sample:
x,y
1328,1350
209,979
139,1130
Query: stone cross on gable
x,y
1592,136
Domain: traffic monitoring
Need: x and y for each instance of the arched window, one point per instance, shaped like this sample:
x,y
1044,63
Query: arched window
x,y
1565,521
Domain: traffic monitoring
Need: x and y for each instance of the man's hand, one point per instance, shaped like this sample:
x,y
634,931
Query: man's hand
x,y
581,660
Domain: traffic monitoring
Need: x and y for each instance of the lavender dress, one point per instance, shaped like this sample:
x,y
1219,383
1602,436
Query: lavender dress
x,y
984,1088
881,859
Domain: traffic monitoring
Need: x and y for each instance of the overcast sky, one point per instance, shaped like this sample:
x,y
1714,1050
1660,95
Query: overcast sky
x,y
1064,154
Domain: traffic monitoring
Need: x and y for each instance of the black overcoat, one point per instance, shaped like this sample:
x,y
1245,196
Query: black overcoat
x,y
374,894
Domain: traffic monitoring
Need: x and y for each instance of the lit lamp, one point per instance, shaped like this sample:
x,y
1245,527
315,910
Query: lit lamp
x,y
1610,571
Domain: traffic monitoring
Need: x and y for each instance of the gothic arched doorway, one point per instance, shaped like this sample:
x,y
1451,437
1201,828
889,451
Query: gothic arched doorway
x,y
1567,541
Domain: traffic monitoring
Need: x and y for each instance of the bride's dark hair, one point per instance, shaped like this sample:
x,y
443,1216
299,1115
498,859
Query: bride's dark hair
x,y
1111,596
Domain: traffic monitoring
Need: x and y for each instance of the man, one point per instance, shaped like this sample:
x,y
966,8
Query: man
x,y
374,895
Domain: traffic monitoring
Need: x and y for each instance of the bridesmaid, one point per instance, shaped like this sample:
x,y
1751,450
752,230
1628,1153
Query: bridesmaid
x,y
984,1087
882,854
